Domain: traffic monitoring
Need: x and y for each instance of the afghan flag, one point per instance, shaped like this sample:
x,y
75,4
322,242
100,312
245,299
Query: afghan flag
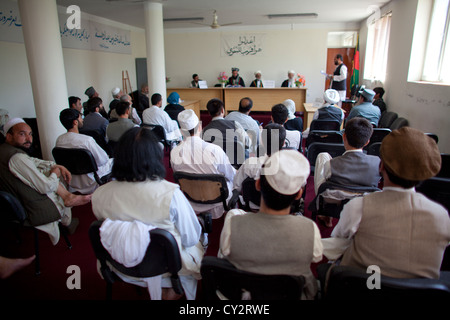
x,y
355,66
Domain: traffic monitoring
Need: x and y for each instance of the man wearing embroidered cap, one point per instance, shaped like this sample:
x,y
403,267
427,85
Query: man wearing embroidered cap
x,y
364,107
235,79
194,155
272,241
398,229
37,183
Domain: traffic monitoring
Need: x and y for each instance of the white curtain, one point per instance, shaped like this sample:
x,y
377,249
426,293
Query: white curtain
x,y
377,49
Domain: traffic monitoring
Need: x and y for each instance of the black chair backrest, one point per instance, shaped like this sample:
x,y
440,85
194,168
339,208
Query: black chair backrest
x,y
158,130
334,149
324,136
348,283
235,151
77,161
100,139
203,188
162,256
374,149
433,136
249,193
399,123
219,274
379,134
12,209
386,119
436,189
331,125
445,166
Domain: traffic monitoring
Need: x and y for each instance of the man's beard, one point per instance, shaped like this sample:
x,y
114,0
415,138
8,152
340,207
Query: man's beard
x,y
28,150
336,63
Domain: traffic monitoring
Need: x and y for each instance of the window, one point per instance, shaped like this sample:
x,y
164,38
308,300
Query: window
x,y
377,49
437,55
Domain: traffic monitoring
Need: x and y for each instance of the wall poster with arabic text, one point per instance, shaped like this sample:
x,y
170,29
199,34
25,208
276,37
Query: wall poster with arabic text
x,y
242,45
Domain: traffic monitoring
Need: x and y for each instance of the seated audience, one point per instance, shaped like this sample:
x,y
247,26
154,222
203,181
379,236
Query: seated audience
x,y
140,193
91,93
222,129
94,121
290,81
75,103
72,139
398,229
143,99
194,155
156,115
257,83
39,184
272,137
364,108
272,241
329,110
117,128
280,115
133,115
173,107
378,99
293,122
116,94
354,167
250,125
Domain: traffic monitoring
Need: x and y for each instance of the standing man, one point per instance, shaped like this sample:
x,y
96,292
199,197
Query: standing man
x,y
339,78
235,79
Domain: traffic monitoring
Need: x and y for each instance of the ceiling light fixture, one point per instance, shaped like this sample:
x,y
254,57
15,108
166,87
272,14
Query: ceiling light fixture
x,y
292,15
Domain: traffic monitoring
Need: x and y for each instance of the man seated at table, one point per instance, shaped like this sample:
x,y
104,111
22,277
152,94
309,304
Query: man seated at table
x,y
272,241
290,81
257,83
235,79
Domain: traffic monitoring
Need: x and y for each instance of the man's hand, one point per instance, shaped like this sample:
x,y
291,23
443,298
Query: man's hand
x,y
61,171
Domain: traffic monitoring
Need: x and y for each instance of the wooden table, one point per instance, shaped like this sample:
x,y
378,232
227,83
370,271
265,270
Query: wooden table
x,y
263,98
192,104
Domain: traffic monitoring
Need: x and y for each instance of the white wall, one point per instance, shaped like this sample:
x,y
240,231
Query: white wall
x,y
301,49
84,68
425,105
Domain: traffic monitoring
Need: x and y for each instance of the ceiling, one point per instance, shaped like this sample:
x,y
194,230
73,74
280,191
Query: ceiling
x,y
248,12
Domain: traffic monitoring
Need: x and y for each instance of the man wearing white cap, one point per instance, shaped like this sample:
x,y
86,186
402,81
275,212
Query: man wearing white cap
x,y
290,81
38,184
329,110
293,122
194,155
272,241
364,107
257,83
116,94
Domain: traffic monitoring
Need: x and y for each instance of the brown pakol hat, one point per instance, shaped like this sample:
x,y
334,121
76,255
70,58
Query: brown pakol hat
x,y
410,154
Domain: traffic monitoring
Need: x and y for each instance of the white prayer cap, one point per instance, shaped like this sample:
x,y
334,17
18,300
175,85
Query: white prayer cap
x,y
187,119
286,171
331,96
291,71
115,91
290,105
11,123
256,72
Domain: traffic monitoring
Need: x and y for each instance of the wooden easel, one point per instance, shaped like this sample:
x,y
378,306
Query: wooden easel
x,y
126,85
